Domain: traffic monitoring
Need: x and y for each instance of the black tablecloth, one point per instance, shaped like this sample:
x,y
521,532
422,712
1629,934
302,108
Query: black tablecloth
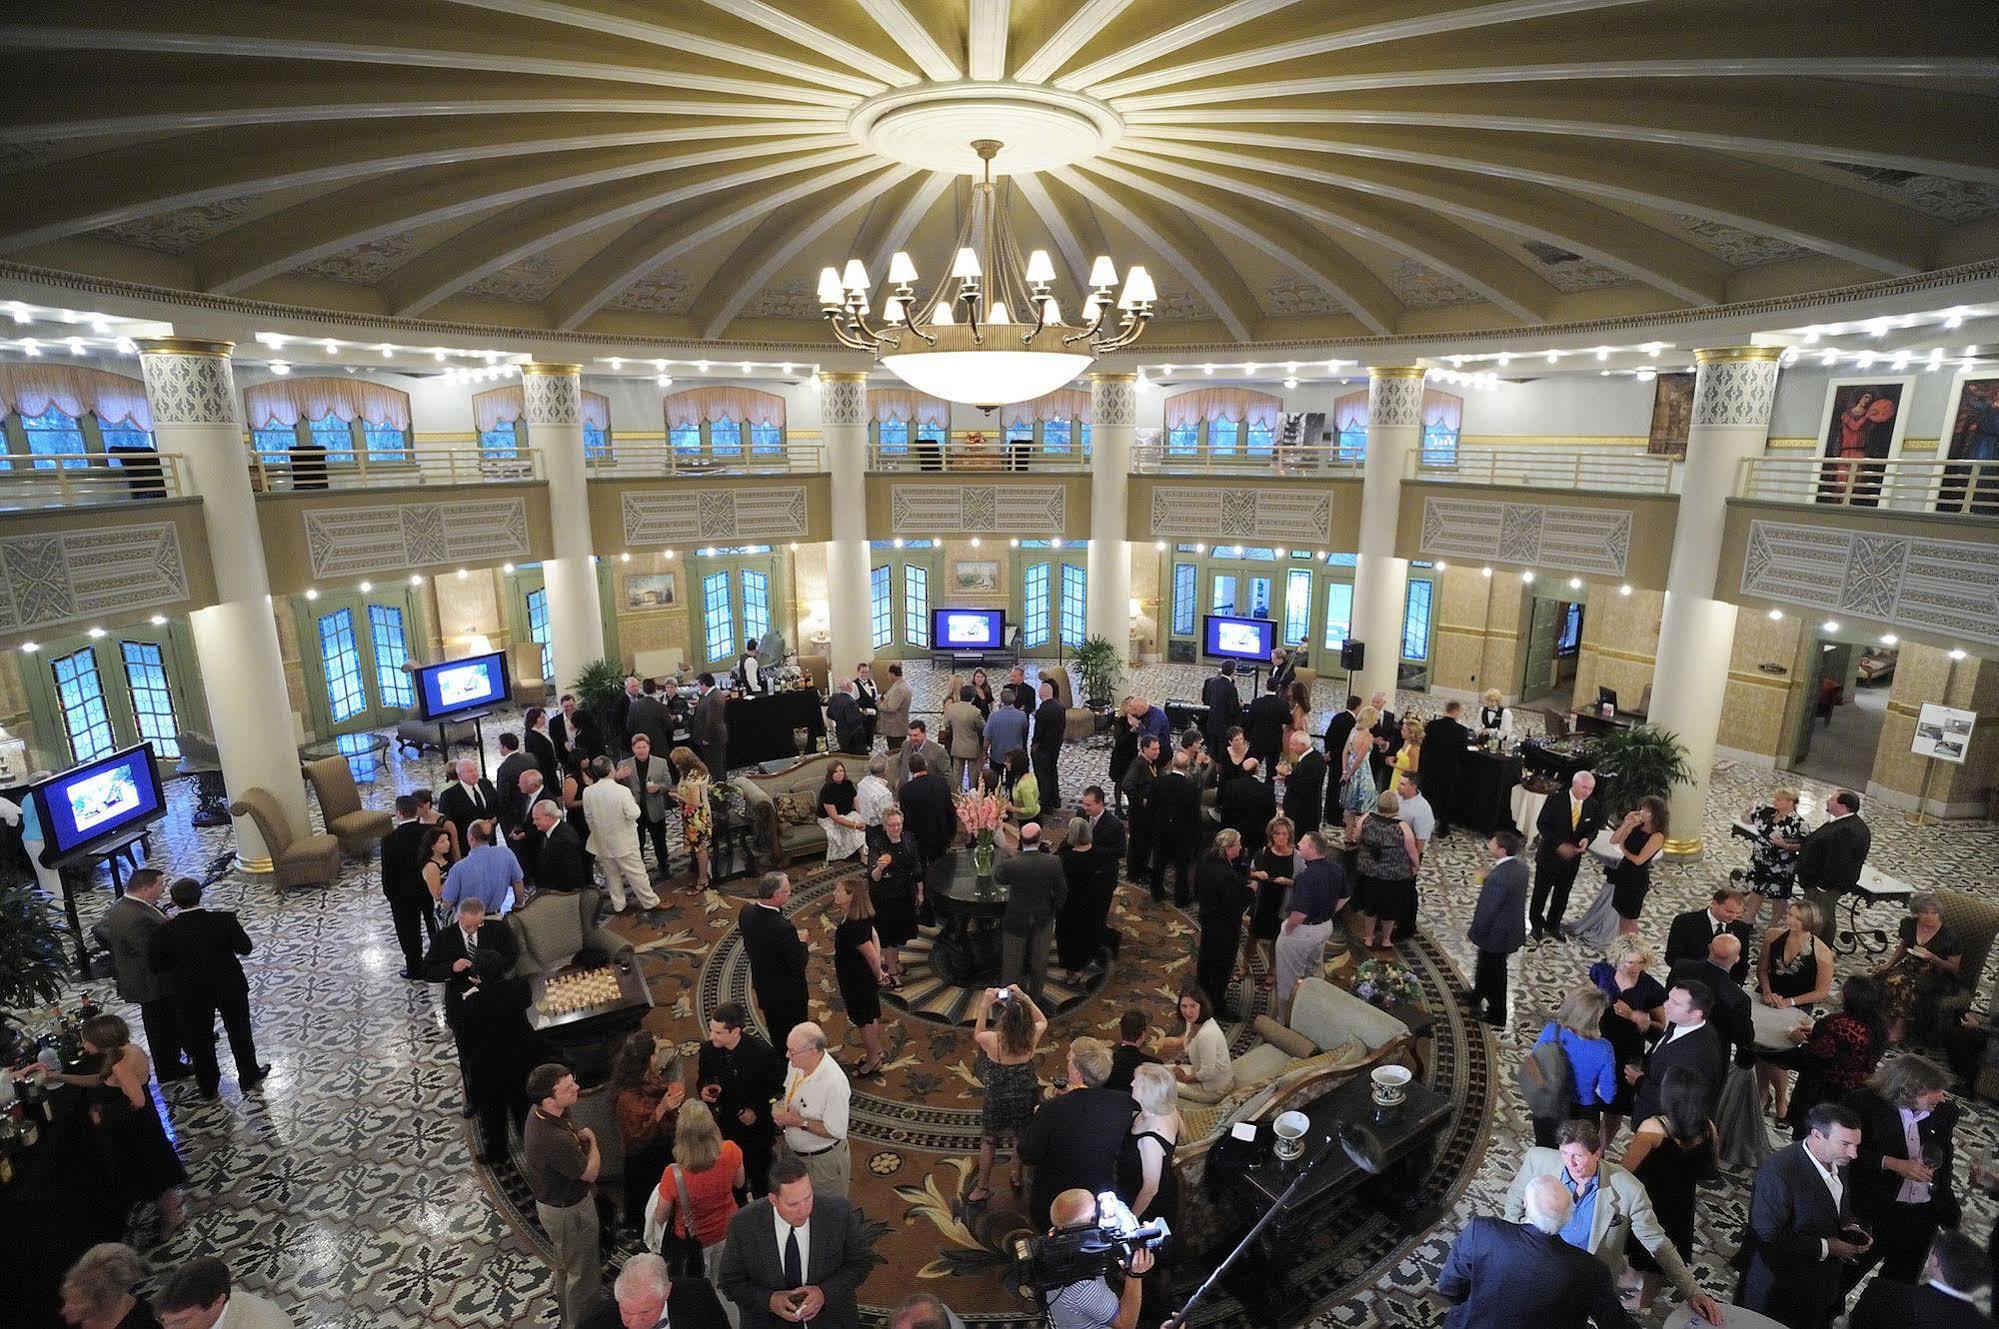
x,y
760,727
56,1208
1483,797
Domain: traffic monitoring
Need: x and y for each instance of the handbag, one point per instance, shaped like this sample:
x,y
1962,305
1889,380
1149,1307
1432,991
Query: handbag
x,y
681,1250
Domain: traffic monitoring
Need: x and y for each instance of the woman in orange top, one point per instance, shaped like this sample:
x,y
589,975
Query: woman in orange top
x,y
711,1169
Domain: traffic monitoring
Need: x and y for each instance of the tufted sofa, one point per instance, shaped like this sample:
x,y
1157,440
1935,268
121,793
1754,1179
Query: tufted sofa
x,y
782,839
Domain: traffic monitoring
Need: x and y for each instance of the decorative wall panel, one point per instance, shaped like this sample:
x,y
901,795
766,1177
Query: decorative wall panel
x,y
189,389
1572,539
1945,586
552,399
1735,394
74,575
385,537
704,516
1219,513
1394,401
922,510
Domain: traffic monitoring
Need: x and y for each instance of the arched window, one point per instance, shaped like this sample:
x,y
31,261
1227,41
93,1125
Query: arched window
x,y
54,439
892,437
342,417
58,415
1227,421
596,425
725,438
715,420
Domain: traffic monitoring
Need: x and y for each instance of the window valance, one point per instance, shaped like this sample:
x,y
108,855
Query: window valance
x,y
1350,412
597,410
748,405
283,402
1061,404
1443,408
907,405
1203,404
75,391
497,407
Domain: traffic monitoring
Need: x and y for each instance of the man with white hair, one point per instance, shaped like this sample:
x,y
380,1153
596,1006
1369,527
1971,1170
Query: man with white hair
x,y
812,1112
467,799
874,796
1567,824
646,1297
612,815
1500,1275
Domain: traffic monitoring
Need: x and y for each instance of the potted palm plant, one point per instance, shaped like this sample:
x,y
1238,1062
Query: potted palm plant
x,y
1639,762
32,971
1097,661
597,688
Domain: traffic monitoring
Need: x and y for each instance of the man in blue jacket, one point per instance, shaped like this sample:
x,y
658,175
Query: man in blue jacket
x,y
1498,927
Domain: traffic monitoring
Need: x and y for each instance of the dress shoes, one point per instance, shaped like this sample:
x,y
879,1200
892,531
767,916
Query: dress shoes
x,y
255,1078
169,1074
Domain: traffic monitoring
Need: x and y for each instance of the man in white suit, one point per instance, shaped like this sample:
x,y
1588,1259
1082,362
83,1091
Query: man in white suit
x,y
1611,1206
200,1295
612,815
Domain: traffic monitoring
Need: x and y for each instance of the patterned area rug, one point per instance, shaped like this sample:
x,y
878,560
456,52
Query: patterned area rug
x,y
916,1126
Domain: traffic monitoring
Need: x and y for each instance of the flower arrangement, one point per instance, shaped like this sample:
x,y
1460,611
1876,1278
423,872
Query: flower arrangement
x,y
1386,983
980,816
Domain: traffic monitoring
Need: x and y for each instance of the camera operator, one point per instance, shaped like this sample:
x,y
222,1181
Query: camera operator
x,y
1090,1303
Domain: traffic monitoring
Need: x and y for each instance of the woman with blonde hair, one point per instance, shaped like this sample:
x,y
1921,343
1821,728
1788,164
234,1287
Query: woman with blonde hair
x,y
1409,757
99,1291
1494,716
1357,791
697,819
1578,1030
706,1173
1793,969
1145,1166
1773,860
1637,1001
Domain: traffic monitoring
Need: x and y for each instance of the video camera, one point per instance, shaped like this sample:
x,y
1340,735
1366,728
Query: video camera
x,y
1073,1255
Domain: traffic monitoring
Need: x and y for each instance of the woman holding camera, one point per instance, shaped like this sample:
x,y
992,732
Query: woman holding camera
x,y
1006,1067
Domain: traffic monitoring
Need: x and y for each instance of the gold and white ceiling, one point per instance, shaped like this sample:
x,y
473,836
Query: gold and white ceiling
x,y
1286,169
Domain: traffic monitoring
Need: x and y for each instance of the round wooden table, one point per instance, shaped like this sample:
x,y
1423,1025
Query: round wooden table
x,y
1732,1317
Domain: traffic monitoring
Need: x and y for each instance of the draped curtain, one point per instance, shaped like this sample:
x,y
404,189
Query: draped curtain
x,y
1442,408
724,403
1202,404
597,410
283,402
75,391
1061,404
497,407
907,405
1350,412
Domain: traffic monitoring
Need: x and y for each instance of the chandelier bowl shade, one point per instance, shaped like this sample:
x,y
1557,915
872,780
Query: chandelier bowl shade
x,y
986,376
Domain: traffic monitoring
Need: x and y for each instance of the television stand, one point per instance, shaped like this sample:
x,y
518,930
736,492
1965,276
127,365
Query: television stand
x,y
478,737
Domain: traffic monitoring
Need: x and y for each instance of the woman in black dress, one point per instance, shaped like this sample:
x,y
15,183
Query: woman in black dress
x,y
1672,1153
1146,1179
895,884
846,834
1922,970
1794,969
1276,866
1221,896
982,693
1636,1002
119,1091
857,963
1078,924
1638,840
100,1290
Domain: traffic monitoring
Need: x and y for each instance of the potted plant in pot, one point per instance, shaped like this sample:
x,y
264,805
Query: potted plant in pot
x,y
597,689
1639,762
1098,663
32,968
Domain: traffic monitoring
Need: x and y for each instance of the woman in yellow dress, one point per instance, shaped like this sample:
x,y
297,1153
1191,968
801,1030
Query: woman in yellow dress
x,y
697,819
1409,757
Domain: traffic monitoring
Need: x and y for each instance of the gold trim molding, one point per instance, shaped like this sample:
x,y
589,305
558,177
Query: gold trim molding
x,y
1716,355
551,371
843,376
249,864
1396,371
1684,848
185,346
1111,376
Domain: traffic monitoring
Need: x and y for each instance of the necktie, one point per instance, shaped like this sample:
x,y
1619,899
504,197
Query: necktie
x,y
478,798
1575,814
471,943
1718,929
794,1270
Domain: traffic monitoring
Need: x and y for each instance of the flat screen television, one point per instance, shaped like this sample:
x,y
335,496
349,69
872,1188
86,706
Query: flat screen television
x,y
93,803
458,686
967,629
1229,638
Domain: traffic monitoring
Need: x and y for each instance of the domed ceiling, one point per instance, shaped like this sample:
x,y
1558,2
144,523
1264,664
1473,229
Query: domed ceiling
x,y
1287,169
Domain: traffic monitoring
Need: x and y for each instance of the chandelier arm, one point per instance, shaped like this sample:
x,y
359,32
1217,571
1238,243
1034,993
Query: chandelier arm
x,y
843,336
1091,332
1126,335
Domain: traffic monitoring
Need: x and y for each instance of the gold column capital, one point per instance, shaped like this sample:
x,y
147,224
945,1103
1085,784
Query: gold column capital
x,y
1685,848
843,376
185,346
1396,371
1113,376
552,371
1715,355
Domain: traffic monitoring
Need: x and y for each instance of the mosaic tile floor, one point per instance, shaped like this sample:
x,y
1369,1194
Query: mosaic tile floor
x,y
342,1188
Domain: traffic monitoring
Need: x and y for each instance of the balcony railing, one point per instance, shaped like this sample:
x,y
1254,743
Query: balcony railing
x,y
1587,469
407,467
924,456
639,461
1319,459
90,477
1963,488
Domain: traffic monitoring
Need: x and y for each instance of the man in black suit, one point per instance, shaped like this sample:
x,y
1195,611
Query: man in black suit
x,y
1387,739
1832,855
1176,830
708,725
1037,889
843,715
1304,783
1338,730
646,1295
197,949
1688,1040
126,931
739,1076
1688,937
1074,1139
1731,1020
1502,1275
1568,822
1224,703
469,798
410,907
1051,724
1498,927
1136,786
511,811
1283,671
778,956
563,864
1107,833
646,714
794,1257
621,714
478,950
1246,803
1263,729
927,811
574,732
1801,1199
1955,1272
1444,742
1897,1195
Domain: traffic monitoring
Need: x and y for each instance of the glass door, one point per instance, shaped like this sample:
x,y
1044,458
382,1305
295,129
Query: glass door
x,y
739,595
93,695
899,597
1054,598
355,648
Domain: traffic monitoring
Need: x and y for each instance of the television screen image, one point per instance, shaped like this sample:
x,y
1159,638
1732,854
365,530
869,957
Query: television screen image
x,y
1240,638
97,800
968,629
462,685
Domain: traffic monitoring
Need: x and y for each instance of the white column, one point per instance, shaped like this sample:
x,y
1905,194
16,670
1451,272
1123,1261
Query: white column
x,y
196,413
1113,413
552,405
843,423
1734,388
1381,580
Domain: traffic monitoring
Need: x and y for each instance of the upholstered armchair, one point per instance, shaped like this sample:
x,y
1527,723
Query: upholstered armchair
x,y
557,926
358,829
296,860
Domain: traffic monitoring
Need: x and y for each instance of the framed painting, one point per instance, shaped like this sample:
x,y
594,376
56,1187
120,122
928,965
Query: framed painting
x,y
1672,415
651,590
975,578
1861,428
1971,436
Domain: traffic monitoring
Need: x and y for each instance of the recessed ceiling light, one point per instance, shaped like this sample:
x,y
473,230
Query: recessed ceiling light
x,y
1575,583
1830,625
1625,589
1889,639
367,586
158,620
1776,615
311,593
96,632
1485,572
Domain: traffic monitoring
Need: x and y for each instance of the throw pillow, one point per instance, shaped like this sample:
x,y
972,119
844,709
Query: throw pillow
x,y
795,810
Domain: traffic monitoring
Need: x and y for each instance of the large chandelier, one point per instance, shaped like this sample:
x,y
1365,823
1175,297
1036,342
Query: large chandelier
x,y
992,331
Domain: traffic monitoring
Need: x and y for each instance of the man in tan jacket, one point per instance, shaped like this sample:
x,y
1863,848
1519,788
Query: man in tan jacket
x,y
968,737
892,712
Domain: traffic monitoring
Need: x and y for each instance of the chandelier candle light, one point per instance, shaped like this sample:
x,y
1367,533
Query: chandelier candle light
x,y
972,340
